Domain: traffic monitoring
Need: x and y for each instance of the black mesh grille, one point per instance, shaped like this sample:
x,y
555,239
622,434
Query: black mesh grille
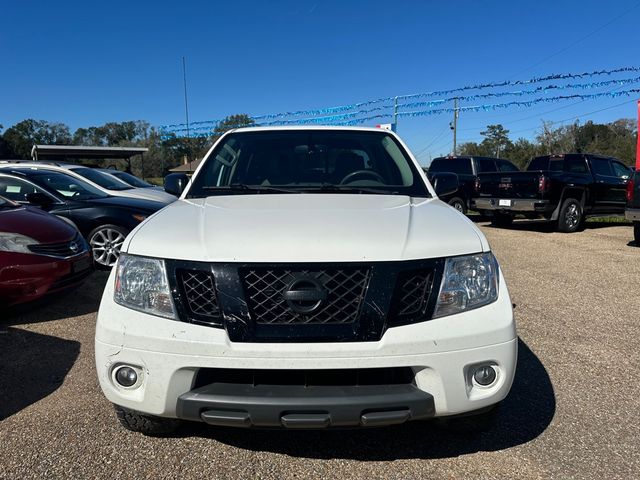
x,y
200,293
344,287
62,249
412,293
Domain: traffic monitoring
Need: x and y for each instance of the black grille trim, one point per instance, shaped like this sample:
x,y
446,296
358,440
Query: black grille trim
x,y
378,305
412,295
199,293
265,287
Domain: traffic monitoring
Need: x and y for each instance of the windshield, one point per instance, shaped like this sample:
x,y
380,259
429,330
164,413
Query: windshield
x,y
68,186
308,161
102,179
128,178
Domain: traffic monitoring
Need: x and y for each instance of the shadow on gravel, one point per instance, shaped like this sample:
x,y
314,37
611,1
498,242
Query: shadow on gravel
x,y
81,301
32,366
524,415
544,226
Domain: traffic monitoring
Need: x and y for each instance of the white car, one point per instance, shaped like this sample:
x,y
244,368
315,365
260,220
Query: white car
x,y
103,182
308,277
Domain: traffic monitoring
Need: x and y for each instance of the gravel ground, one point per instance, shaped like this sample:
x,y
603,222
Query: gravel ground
x,y
572,412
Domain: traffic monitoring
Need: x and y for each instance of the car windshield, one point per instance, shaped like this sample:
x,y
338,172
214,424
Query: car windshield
x,y
128,178
68,186
102,179
317,161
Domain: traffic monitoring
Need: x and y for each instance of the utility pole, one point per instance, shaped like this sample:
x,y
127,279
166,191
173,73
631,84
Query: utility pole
x,y
395,114
454,125
186,107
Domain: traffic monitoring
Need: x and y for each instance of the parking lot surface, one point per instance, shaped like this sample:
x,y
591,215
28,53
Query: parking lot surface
x,y
572,412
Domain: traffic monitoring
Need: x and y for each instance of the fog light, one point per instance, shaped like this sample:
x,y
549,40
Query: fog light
x,y
485,375
126,376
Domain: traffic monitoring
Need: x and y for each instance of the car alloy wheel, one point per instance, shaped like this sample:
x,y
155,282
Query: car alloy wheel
x,y
572,217
106,243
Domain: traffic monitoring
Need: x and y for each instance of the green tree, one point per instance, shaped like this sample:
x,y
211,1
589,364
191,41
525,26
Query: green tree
x,y
23,135
496,139
5,149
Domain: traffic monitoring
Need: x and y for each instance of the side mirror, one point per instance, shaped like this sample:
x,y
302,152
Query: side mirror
x,y
39,199
175,183
445,183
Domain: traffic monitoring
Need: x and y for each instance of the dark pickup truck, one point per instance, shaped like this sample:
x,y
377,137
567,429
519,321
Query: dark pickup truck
x,y
467,168
633,205
562,188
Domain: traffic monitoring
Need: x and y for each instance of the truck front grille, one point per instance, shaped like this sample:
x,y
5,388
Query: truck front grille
x,y
199,291
412,294
266,290
329,302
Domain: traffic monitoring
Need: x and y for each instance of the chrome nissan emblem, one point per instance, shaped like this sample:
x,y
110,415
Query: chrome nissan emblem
x,y
305,294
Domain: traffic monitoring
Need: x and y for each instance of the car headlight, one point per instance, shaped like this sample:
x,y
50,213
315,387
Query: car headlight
x,y
141,284
468,282
14,242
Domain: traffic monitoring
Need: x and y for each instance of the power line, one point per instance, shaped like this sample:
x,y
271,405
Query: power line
x,y
581,39
578,116
434,140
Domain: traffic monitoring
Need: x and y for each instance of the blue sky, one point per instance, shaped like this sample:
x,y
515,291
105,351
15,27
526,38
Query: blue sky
x,y
86,63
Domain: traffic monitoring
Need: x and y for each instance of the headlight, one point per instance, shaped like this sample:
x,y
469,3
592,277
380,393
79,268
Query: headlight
x,y
468,282
14,242
141,284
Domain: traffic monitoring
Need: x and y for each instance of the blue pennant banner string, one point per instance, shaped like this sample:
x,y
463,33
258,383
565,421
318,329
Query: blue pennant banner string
x,y
525,103
519,93
211,124
351,119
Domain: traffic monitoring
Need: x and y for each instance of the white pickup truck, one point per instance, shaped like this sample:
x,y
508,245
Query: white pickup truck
x,y
308,277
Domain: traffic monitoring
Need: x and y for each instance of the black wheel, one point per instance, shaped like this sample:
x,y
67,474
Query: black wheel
x,y
478,421
501,220
636,233
146,424
106,242
459,204
571,216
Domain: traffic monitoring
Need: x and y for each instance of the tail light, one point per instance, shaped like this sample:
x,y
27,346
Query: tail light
x,y
476,185
543,184
630,186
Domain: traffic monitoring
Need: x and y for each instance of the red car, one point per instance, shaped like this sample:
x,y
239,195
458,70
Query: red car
x,y
40,254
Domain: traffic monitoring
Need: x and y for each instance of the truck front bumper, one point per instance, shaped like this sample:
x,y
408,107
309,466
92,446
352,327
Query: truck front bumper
x,y
441,355
632,214
511,204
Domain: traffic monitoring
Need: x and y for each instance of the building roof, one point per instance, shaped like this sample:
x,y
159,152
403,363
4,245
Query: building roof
x,y
187,167
40,152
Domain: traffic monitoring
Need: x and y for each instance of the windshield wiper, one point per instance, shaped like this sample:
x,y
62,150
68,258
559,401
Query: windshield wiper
x,y
241,187
330,187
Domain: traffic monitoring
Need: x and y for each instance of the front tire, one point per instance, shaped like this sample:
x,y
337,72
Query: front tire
x,y
146,424
459,204
636,233
106,242
571,216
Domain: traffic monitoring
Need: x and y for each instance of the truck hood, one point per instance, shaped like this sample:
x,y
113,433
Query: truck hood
x,y
306,228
